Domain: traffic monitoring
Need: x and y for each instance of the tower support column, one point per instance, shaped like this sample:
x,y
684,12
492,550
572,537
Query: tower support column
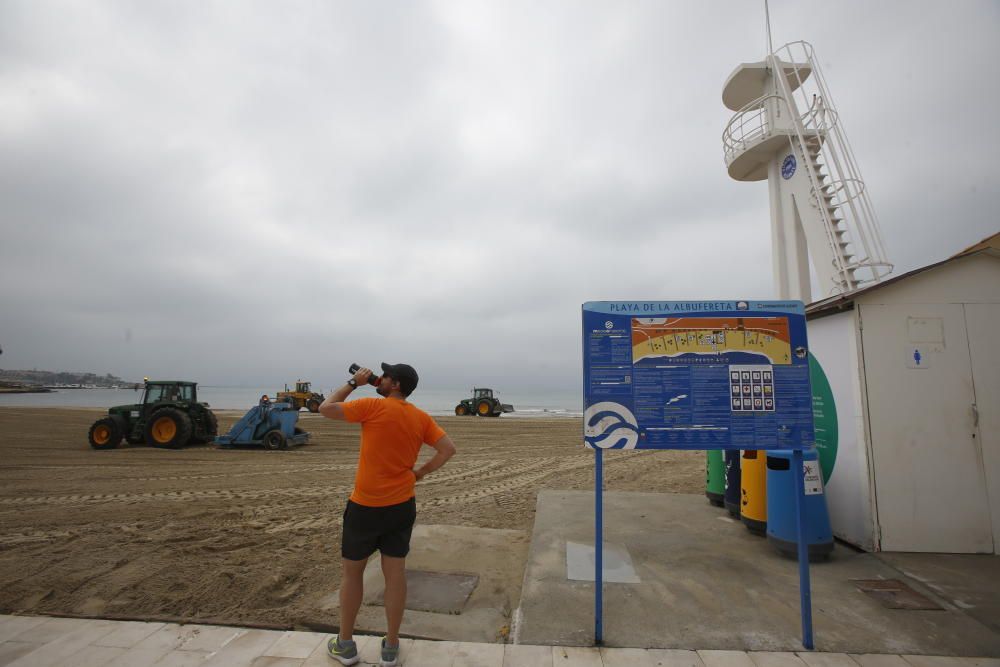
x,y
789,254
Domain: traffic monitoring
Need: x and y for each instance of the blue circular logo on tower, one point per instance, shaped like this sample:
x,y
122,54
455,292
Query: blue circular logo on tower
x,y
788,167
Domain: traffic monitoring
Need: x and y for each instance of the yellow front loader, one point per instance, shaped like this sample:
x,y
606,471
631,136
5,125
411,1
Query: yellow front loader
x,y
302,397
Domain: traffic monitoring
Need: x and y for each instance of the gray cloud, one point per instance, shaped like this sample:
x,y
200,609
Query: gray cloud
x,y
248,192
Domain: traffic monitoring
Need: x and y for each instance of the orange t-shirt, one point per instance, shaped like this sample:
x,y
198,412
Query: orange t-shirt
x,y
392,432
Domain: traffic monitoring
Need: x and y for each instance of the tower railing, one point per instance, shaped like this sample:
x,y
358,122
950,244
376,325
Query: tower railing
x,y
747,127
857,224
838,193
750,125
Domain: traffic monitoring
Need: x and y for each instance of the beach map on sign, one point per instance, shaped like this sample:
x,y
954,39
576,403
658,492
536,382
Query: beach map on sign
x,y
679,338
696,375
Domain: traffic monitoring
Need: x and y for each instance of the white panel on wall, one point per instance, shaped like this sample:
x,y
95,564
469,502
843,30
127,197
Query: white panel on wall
x,y
832,340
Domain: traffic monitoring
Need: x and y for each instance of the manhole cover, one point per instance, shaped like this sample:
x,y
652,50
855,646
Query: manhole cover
x,y
438,592
894,594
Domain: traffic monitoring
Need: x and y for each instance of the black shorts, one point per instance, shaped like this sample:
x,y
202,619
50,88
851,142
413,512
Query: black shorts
x,y
386,528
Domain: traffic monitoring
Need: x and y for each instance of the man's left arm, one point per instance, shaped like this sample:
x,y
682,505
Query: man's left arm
x,y
445,450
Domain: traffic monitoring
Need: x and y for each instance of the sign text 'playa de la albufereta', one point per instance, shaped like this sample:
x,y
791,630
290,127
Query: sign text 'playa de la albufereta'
x,y
696,375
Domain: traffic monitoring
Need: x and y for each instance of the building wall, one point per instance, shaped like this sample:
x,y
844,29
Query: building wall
x,y
918,463
932,446
833,341
928,469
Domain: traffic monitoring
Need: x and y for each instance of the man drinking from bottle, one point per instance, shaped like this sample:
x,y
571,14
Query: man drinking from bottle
x,y
382,509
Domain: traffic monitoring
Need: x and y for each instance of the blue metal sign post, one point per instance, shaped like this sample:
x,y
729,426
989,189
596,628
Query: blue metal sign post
x,y
697,375
805,591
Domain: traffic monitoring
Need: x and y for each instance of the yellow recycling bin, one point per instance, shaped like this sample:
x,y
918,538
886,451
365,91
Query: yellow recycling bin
x,y
753,492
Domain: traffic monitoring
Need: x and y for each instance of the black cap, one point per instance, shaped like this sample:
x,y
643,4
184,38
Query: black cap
x,y
404,374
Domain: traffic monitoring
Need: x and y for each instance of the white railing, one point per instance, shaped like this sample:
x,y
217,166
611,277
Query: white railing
x,y
747,127
855,242
859,225
818,118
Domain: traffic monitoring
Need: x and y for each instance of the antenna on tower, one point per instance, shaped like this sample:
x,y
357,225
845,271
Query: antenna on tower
x,y
767,21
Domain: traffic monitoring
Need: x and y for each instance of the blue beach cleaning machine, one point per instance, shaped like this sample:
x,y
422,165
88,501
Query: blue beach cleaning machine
x,y
269,424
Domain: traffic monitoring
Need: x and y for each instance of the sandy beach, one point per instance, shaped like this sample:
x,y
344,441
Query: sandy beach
x,y
252,536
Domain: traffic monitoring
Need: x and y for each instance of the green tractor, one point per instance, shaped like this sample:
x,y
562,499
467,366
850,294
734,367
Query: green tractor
x,y
482,404
168,416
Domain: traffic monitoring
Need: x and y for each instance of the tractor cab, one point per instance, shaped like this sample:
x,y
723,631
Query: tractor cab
x,y
168,391
303,387
481,393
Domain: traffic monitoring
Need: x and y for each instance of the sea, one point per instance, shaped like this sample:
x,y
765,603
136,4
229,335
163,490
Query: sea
x,y
438,402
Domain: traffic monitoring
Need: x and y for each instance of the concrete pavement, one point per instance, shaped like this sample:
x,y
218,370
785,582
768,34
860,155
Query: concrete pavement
x,y
40,641
704,582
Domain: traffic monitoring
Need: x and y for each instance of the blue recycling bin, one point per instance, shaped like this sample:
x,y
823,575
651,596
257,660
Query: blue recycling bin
x,y
782,525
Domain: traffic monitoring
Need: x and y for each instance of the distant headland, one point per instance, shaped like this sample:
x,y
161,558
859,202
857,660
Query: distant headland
x,y
36,382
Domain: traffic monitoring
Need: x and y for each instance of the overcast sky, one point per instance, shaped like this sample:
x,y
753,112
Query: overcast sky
x,y
252,192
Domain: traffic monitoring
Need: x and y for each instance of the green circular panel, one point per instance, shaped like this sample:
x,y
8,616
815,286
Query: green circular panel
x,y
824,418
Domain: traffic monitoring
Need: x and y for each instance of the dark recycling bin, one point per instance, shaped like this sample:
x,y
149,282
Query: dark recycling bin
x,y
715,477
782,525
733,482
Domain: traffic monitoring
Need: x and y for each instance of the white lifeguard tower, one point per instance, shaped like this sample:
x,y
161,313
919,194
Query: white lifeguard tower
x,y
787,130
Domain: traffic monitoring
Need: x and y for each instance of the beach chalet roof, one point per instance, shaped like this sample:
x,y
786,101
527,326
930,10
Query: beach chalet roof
x,y
834,304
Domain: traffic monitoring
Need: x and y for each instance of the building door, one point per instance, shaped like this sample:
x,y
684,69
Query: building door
x,y
983,322
930,484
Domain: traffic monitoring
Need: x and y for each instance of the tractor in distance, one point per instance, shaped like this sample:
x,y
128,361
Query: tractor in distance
x,y
482,404
168,416
302,397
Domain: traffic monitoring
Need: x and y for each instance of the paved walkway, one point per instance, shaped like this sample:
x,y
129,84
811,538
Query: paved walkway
x,y
41,641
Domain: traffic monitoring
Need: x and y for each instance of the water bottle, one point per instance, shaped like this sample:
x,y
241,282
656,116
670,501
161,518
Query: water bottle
x,y
372,379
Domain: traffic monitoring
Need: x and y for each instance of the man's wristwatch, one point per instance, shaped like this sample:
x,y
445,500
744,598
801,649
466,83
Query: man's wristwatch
x,y
353,383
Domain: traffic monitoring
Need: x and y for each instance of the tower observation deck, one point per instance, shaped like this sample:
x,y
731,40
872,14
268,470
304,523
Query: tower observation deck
x,y
787,130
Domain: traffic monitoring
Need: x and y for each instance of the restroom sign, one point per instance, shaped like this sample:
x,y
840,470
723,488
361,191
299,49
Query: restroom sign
x,y
916,357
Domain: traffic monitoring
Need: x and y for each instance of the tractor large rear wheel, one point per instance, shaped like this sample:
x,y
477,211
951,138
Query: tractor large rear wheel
x,y
208,429
484,408
168,427
461,410
105,433
211,425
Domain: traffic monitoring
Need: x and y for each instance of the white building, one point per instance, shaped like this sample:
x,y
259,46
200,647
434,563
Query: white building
x,y
914,365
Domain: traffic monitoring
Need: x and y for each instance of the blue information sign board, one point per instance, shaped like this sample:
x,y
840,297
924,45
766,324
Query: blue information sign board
x,y
696,375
